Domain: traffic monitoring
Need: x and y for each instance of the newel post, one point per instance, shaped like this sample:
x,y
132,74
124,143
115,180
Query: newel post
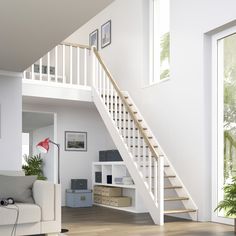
x,y
160,173
93,66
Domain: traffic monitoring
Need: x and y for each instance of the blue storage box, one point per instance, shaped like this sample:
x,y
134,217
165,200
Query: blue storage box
x,y
78,198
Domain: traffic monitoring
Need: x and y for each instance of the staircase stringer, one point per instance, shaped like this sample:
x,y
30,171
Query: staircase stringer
x,y
131,165
183,192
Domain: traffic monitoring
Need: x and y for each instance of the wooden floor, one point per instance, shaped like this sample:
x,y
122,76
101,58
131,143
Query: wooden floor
x,y
99,221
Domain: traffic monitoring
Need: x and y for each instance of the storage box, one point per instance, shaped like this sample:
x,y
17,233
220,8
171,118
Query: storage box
x,y
78,198
113,155
98,177
109,179
105,200
97,190
102,155
110,155
79,184
111,191
120,201
97,199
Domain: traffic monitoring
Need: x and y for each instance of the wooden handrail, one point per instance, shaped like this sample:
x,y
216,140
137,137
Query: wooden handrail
x,y
140,128
76,45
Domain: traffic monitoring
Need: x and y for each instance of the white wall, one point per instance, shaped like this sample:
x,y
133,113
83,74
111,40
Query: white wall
x,y
10,121
181,120
77,118
37,136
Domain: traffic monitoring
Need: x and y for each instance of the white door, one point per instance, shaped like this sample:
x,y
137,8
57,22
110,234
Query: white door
x,y
223,117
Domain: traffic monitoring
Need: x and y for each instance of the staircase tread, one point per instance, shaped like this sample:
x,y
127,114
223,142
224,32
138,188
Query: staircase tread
x,y
175,198
173,187
132,128
177,211
142,146
153,166
134,112
137,137
166,176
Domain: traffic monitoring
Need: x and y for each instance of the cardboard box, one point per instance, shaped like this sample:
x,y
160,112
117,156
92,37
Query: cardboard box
x,y
120,201
105,200
111,192
97,199
97,190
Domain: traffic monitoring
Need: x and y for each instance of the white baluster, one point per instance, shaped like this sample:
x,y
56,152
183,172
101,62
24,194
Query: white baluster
x,y
100,78
111,103
144,159
85,67
160,189
48,65
103,86
120,116
24,75
124,124
129,130
63,64
71,65
40,68
138,149
134,140
155,181
32,72
116,110
56,64
78,65
107,93
150,170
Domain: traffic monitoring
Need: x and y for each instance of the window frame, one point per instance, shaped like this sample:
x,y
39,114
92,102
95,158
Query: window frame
x,y
154,44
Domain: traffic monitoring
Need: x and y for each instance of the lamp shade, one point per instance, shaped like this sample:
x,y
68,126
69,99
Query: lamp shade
x,y
43,146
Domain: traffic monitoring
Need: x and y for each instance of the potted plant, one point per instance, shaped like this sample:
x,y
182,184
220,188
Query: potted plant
x,y
34,166
229,202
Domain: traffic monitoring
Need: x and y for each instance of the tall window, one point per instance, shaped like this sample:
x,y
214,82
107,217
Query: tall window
x,y
223,117
159,40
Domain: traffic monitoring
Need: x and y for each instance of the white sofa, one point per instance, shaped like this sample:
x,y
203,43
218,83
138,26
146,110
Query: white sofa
x,y
43,217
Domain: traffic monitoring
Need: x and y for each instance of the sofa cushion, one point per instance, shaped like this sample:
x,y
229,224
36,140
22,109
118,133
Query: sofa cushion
x,y
28,213
17,187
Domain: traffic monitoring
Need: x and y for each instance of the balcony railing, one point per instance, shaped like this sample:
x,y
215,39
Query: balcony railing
x,y
67,65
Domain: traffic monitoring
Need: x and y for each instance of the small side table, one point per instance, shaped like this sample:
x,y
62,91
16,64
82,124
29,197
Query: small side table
x,y
78,198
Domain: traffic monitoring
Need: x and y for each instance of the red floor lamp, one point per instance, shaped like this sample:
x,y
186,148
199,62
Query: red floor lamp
x,y
43,147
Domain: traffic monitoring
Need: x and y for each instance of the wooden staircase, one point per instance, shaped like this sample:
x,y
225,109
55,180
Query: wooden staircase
x,y
154,176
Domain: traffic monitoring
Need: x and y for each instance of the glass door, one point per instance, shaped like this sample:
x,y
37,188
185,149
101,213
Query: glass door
x,y
225,148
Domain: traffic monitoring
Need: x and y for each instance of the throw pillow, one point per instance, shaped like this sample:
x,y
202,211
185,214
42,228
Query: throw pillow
x,y
17,187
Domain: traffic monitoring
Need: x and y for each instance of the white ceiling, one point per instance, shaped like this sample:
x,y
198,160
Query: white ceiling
x,y
32,121
30,28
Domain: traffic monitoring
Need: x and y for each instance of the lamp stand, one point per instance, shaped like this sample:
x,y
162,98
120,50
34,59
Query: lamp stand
x,y
58,172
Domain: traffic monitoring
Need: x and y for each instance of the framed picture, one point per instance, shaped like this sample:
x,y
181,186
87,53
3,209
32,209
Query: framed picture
x,y
75,141
106,34
93,38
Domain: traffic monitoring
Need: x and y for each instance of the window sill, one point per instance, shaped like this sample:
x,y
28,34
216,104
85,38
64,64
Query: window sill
x,y
156,83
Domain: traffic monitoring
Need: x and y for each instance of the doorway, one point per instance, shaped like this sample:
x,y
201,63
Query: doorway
x,y
223,117
36,126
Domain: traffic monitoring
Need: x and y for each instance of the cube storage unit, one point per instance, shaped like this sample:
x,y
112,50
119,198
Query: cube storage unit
x,y
78,198
116,195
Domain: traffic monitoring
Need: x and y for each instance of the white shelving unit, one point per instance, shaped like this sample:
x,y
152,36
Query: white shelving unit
x,y
118,170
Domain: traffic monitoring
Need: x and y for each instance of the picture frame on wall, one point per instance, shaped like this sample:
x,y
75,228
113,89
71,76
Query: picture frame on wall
x,y
106,34
93,39
76,141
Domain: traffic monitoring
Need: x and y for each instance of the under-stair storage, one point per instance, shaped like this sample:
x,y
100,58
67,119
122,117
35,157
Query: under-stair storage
x,y
123,193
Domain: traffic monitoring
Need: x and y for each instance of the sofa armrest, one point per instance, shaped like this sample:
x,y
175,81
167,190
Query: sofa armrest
x,y
48,196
